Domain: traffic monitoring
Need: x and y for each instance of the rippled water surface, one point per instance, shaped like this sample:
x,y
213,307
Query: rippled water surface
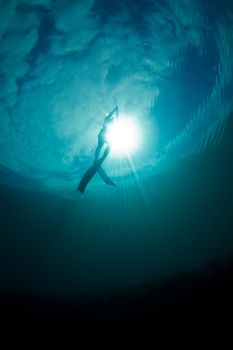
x,y
65,64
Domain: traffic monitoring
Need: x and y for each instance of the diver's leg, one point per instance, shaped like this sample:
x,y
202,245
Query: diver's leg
x,y
105,177
98,150
106,152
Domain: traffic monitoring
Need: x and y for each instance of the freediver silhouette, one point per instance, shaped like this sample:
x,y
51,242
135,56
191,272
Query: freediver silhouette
x,y
98,160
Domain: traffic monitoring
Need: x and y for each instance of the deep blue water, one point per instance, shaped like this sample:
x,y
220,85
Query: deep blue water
x,y
63,66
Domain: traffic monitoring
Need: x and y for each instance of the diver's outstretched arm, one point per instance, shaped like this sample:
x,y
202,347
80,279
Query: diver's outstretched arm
x,y
111,115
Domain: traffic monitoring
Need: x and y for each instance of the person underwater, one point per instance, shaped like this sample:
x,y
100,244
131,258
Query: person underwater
x,y
98,160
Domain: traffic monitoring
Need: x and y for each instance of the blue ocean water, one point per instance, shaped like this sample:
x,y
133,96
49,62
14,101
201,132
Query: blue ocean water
x,y
63,66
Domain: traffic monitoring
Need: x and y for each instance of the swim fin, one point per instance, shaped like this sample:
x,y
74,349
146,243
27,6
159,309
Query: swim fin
x,y
105,177
90,173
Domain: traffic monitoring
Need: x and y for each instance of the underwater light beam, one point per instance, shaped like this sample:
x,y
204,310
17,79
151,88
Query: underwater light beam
x,y
123,136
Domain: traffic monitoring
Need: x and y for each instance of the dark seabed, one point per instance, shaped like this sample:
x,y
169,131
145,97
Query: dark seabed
x,y
159,245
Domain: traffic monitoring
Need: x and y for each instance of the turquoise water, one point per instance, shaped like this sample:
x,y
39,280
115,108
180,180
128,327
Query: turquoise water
x,y
64,66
